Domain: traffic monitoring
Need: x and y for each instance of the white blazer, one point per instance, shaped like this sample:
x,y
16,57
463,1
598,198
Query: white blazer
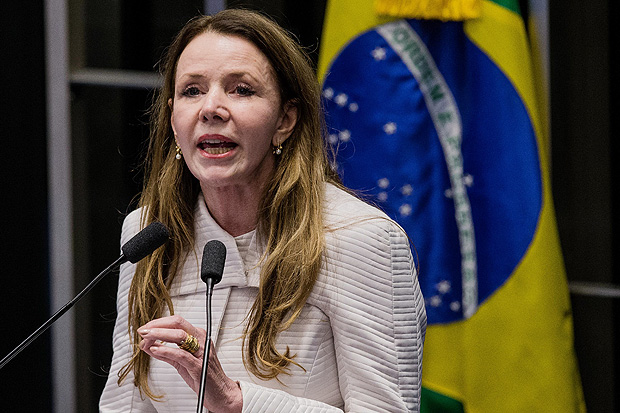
x,y
359,337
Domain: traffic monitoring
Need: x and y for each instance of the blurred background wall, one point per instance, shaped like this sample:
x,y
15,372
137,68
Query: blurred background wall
x,y
68,184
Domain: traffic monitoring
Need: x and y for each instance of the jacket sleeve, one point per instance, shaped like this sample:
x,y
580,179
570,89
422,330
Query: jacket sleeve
x,y
378,317
260,399
376,310
126,397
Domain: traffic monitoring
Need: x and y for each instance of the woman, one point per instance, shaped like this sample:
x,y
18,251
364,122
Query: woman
x,y
319,308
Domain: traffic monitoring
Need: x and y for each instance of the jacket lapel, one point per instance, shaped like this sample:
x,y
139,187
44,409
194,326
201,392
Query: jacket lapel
x,y
235,274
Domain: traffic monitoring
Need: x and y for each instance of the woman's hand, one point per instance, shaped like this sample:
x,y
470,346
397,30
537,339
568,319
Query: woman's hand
x,y
222,394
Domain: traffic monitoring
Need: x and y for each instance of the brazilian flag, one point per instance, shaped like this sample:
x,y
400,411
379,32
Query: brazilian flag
x,y
435,118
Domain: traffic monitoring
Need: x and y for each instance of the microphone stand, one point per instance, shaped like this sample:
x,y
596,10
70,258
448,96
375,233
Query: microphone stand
x,y
138,247
60,312
207,350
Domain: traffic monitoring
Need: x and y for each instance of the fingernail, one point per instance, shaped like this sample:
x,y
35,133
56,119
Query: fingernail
x,y
143,331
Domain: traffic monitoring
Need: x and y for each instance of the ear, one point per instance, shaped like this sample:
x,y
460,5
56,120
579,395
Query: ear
x,y
287,123
172,116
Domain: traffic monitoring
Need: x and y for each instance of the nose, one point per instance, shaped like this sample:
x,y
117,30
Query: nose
x,y
214,107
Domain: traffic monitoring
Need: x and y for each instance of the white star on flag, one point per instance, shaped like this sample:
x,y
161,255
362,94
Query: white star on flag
x,y
389,128
383,183
406,190
341,99
378,53
405,210
435,301
468,180
444,286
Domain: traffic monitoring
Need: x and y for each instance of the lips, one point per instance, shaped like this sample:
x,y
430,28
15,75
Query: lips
x,y
216,146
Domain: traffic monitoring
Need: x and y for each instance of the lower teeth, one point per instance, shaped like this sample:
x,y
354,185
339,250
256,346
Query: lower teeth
x,y
217,151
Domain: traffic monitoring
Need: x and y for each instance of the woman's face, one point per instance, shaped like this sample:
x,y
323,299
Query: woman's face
x,y
226,112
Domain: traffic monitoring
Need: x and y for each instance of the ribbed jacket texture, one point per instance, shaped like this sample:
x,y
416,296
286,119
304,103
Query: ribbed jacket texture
x,y
359,337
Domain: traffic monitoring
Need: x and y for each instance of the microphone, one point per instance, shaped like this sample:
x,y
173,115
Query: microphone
x,y
138,247
145,242
213,259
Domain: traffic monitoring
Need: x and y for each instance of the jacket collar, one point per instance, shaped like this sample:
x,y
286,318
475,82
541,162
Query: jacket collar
x,y
235,275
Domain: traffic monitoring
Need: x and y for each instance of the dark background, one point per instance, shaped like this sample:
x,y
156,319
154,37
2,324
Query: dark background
x,y
109,130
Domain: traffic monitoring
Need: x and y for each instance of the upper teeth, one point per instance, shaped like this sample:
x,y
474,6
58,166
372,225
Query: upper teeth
x,y
211,141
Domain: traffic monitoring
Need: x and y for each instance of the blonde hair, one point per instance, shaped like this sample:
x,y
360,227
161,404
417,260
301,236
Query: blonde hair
x,y
290,221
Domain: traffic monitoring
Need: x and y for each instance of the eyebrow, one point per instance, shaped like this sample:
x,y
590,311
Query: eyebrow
x,y
191,76
235,75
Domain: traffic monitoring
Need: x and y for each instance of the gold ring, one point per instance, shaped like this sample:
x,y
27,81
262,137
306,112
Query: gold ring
x,y
190,343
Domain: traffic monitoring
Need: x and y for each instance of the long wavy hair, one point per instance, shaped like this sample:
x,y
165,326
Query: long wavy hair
x,y
290,221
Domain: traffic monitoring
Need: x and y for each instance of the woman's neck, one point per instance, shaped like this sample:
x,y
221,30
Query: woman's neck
x,y
234,208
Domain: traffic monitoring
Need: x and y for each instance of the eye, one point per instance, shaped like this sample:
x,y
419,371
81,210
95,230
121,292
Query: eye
x,y
191,91
244,90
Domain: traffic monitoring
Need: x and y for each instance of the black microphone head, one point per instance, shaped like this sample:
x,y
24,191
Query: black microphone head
x,y
145,242
213,259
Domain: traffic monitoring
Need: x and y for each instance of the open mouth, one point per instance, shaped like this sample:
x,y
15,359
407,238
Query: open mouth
x,y
216,146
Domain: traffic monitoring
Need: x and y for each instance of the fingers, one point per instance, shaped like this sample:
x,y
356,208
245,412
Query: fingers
x,y
173,356
188,366
156,335
168,335
174,322
222,391
174,330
